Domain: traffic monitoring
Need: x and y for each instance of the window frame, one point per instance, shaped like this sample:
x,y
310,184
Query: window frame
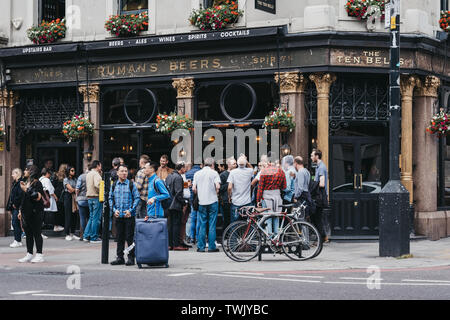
x,y
41,11
121,3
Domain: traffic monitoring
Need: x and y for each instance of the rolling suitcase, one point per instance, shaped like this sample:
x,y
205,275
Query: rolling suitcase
x,y
152,242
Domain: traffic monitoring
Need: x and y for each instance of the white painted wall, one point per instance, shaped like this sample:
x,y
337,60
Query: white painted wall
x,y
171,16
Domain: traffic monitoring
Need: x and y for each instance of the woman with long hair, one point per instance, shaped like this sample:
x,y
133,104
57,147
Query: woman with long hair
x,y
70,206
58,183
14,202
32,213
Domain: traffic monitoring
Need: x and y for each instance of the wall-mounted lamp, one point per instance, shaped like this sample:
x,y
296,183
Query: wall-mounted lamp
x,y
285,150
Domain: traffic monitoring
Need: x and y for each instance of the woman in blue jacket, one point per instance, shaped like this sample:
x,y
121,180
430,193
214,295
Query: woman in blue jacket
x,y
154,207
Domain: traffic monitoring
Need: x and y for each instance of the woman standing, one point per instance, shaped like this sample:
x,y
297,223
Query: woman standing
x,y
32,213
58,183
14,201
82,201
70,206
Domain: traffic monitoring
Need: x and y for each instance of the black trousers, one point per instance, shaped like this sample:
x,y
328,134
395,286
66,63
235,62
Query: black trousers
x,y
33,229
69,226
174,227
317,221
125,232
226,214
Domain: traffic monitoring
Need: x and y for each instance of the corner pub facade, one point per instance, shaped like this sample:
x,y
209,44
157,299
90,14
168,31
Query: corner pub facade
x,y
326,67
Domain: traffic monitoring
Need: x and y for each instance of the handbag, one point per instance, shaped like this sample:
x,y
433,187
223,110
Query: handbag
x,y
46,199
195,203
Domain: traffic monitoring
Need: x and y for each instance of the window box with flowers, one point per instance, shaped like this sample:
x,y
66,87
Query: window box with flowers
x,y
171,122
217,17
77,127
2,133
47,32
126,25
444,22
363,9
281,119
440,124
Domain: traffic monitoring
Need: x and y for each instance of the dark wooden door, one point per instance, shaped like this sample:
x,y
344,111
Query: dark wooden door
x,y
358,168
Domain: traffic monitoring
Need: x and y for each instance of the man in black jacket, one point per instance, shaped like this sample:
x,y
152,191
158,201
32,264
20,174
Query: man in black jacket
x,y
175,183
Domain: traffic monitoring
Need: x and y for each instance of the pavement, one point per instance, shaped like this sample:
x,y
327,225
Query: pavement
x,y
346,255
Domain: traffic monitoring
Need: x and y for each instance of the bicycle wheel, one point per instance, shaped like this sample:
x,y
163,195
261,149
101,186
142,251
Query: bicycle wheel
x,y
243,242
301,241
227,232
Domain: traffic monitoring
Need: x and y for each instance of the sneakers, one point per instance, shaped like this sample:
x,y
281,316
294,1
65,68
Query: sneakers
x,y
130,262
15,244
69,238
214,250
27,258
38,258
95,241
75,237
44,236
85,240
58,228
118,261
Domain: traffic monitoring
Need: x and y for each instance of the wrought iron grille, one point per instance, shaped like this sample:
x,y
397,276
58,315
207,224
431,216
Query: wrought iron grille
x,y
352,99
46,110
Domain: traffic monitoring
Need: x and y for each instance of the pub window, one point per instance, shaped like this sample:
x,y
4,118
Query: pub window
x,y
133,6
444,5
211,3
52,9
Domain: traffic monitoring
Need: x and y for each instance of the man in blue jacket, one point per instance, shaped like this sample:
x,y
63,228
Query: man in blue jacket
x,y
123,199
157,192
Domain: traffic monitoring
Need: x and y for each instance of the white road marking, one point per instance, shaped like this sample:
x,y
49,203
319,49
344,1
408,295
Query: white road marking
x,y
95,297
348,278
20,293
433,281
245,273
260,278
179,274
390,284
297,276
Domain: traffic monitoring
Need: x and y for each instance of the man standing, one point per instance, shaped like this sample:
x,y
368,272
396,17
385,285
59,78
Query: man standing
x,y
157,192
271,182
50,212
320,176
206,185
164,171
239,187
142,186
223,193
175,184
113,172
193,222
123,199
302,179
93,179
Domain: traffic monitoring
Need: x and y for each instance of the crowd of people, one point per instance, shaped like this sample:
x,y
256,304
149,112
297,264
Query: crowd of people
x,y
190,197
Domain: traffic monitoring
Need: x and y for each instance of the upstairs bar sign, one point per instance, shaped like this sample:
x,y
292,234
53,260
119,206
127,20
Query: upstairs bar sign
x,y
266,5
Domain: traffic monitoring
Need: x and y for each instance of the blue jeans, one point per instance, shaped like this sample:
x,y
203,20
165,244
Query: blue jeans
x,y
208,214
193,224
95,210
235,212
271,229
84,216
16,225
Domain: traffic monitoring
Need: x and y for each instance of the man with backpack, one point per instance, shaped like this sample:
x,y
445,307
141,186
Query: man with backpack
x,y
157,193
123,199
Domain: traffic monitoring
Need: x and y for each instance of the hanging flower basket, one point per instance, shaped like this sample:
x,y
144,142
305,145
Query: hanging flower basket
x,y
439,124
171,122
363,9
2,133
126,25
444,22
281,119
47,32
78,127
216,17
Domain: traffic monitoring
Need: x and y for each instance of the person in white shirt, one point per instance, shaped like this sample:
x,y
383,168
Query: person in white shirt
x,y
48,186
239,187
207,184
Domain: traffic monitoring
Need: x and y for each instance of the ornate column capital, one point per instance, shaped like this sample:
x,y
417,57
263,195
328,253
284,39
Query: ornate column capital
x,y
185,87
90,94
323,82
291,82
8,98
407,85
428,87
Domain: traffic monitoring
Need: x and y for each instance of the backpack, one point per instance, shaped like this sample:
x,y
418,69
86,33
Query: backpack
x,y
166,203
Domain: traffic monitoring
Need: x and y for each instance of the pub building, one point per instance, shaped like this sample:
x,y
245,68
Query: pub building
x,y
334,81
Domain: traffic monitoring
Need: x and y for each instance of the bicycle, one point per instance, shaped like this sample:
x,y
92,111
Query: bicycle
x,y
299,240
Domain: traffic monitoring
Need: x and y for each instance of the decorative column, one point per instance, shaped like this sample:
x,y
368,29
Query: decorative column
x,y
185,104
9,155
407,86
428,221
292,91
91,100
323,84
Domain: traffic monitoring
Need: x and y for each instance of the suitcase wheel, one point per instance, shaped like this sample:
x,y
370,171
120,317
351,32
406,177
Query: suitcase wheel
x,y
166,265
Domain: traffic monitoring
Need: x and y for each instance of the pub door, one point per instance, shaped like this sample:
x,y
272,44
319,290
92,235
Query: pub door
x,y
358,171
